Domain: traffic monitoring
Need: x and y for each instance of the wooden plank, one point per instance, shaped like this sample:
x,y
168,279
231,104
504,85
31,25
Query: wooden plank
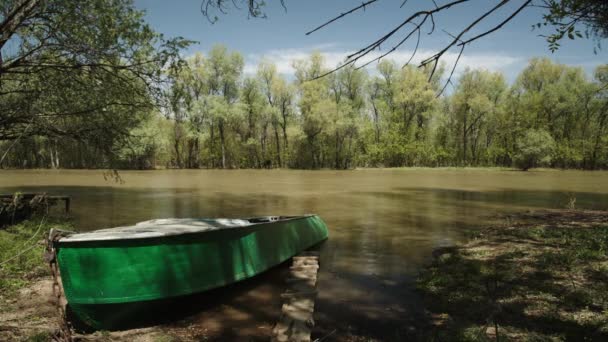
x,y
8,198
298,300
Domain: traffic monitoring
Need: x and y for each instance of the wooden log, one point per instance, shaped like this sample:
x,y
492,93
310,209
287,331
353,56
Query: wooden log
x,y
298,301
8,199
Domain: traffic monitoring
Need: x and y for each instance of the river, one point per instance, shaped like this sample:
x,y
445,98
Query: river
x,y
383,224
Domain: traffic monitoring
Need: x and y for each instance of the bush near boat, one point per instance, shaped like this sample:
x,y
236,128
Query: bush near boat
x,y
21,253
26,309
543,276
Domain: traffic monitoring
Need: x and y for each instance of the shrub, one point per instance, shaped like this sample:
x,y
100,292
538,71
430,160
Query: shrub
x,y
534,149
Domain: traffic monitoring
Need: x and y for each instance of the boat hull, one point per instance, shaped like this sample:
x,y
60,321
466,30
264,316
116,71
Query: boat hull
x,y
100,277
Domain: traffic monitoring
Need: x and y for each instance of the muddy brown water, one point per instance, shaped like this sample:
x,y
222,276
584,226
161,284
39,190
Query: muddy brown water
x,y
383,226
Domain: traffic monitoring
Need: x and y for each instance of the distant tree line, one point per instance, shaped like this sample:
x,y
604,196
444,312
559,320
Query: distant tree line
x,y
553,115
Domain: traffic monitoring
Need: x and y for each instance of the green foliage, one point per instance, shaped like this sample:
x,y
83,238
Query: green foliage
x,y
475,105
566,15
149,145
534,149
40,337
81,73
553,115
21,252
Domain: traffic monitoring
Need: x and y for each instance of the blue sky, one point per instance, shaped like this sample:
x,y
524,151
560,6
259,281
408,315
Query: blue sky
x,y
281,37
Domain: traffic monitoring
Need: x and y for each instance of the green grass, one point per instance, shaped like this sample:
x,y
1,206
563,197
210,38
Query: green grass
x,y
24,244
39,337
540,282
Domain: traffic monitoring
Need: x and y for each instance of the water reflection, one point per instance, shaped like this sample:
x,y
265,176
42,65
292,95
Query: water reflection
x,y
383,223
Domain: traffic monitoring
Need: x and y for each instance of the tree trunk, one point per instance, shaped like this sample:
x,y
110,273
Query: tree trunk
x,y
464,140
263,145
284,127
212,144
278,145
197,152
223,143
55,159
337,156
376,123
178,159
312,150
598,138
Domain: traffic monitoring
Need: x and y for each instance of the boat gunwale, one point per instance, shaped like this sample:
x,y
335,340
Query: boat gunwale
x,y
153,240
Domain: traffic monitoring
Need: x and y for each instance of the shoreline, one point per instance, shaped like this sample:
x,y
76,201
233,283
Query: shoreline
x,y
503,282
404,168
539,276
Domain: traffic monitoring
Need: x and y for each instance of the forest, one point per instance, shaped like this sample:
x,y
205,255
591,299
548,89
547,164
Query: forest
x,y
213,115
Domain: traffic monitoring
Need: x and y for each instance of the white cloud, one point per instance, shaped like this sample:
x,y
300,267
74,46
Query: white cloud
x,y
283,59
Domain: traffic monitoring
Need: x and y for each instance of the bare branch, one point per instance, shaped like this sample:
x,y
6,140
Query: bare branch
x,y
497,27
362,6
353,58
15,19
413,53
416,29
449,81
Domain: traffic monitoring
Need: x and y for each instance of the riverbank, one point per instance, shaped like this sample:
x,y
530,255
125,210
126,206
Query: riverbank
x,y
110,173
539,276
247,310
26,309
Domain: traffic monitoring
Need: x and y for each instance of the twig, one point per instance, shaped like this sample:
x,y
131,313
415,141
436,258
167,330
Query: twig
x,y
362,6
424,15
321,339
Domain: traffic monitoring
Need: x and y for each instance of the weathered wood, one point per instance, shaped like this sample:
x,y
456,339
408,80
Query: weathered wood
x,y
17,207
299,300
7,198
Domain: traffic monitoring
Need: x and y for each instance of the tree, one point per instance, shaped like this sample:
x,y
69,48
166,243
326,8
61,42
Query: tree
x,y
225,70
600,136
81,70
189,109
409,101
279,99
553,115
474,104
534,149
346,89
284,101
557,98
254,109
314,102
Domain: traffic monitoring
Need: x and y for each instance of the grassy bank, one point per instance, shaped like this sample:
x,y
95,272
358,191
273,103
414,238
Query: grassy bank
x,y
539,277
22,251
26,312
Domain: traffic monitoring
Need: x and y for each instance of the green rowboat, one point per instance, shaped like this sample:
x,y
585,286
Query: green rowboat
x,y
107,274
